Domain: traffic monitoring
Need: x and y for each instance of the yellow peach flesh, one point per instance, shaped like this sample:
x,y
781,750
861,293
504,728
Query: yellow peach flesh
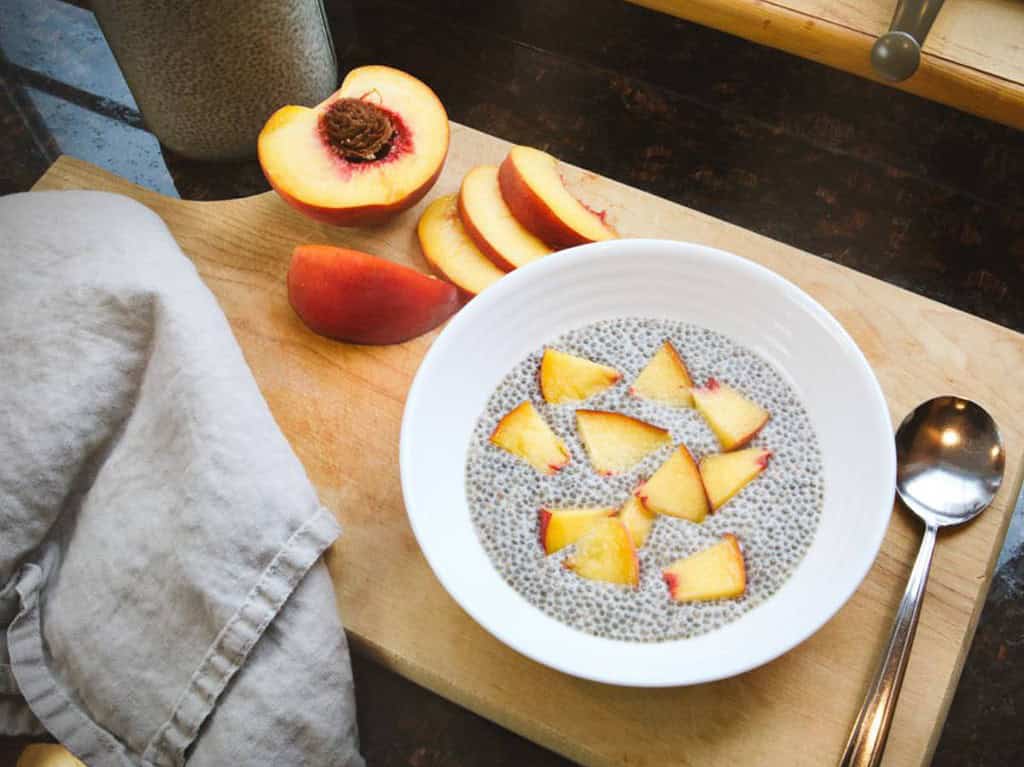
x,y
299,163
449,249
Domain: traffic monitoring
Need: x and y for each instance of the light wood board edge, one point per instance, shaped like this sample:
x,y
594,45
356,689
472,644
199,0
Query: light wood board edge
x,y
1015,478
826,42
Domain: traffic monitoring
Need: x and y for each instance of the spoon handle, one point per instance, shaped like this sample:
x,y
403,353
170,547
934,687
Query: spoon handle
x,y
867,740
915,17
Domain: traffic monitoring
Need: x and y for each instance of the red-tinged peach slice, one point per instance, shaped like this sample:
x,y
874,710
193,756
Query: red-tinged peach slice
x,y
638,521
532,187
371,150
490,223
567,378
353,296
560,527
725,474
665,379
524,433
606,553
616,442
715,573
675,489
450,251
733,418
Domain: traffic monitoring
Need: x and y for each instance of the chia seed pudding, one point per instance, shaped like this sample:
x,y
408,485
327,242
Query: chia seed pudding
x,y
775,517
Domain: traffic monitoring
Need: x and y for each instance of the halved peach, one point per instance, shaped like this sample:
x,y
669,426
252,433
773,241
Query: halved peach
x,y
524,433
448,248
369,151
718,572
560,527
490,223
533,190
353,296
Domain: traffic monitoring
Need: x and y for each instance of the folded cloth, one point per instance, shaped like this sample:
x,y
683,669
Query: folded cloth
x,y
162,591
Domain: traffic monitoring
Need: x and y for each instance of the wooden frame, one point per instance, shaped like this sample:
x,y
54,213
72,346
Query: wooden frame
x,y
973,59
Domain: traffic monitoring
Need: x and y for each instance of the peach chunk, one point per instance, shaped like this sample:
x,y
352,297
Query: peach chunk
x,y
450,251
566,377
371,150
715,573
560,527
733,418
637,519
490,223
675,489
665,378
616,442
725,474
606,553
533,190
524,433
356,297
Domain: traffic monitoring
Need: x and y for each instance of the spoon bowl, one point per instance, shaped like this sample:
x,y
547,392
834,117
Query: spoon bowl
x,y
950,461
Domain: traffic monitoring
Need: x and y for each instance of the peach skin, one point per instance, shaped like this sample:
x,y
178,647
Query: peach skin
x,y
368,152
533,190
490,223
352,296
449,249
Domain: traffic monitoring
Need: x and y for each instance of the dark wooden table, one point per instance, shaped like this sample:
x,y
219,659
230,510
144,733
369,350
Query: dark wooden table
x,y
911,192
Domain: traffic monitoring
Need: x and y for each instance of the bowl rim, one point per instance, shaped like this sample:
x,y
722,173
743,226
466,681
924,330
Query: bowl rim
x,y
588,253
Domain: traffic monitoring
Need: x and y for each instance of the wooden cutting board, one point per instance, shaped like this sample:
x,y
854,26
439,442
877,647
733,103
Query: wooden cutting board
x,y
341,406
973,58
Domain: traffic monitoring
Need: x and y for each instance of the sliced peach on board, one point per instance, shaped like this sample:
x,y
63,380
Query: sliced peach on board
x,y
524,433
665,378
353,296
369,151
560,527
532,187
733,418
566,377
606,553
490,223
637,519
675,489
717,572
450,251
616,442
725,474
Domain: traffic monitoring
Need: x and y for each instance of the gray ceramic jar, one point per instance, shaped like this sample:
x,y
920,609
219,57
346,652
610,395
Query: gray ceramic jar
x,y
208,73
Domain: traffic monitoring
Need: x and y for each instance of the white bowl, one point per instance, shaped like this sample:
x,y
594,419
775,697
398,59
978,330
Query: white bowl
x,y
679,281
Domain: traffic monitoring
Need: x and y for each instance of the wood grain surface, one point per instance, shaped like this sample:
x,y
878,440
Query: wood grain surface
x,y
340,406
973,58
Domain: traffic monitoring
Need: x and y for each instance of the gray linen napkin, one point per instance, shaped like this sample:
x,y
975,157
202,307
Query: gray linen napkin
x,y
162,594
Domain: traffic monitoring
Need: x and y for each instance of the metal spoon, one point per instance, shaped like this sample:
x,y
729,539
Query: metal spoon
x,y
950,462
